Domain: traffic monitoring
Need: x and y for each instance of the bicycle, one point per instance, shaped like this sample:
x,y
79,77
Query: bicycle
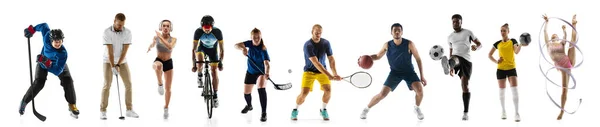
x,y
207,88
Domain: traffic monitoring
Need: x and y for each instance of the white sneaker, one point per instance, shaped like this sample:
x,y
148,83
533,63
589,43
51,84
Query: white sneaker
x,y
166,114
445,65
363,115
103,115
161,90
517,118
420,115
465,117
503,115
216,102
131,113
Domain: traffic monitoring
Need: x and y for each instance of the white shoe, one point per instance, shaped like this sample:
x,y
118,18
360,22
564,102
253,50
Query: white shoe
x,y
517,118
363,115
465,117
131,113
103,115
503,115
216,102
166,114
445,65
161,90
420,115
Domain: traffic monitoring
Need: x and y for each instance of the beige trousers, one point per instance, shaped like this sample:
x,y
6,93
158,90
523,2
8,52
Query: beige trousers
x,y
126,80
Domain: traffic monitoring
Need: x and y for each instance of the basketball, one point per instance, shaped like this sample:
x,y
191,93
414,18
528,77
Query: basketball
x,y
365,62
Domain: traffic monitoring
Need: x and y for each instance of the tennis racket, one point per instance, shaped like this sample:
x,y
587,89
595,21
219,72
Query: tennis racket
x,y
285,86
359,79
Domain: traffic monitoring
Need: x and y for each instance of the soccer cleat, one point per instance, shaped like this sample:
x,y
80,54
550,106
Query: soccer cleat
x,y
161,90
263,117
295,114
445,65
503,115
246,109
465,117
420,115
363,115
131,113
324,114
103,115
517,118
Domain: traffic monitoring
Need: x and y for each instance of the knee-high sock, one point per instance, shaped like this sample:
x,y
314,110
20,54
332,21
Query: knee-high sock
x,y
262,94
515,93
466,99
248,98
502,91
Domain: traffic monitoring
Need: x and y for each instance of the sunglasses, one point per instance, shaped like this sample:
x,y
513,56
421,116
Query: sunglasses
x,y
206,26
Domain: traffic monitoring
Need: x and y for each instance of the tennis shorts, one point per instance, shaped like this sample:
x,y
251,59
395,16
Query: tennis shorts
x,y
394,78
308,79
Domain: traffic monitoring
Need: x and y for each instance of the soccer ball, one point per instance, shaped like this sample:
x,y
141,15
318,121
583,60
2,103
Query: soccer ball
x,y
436,52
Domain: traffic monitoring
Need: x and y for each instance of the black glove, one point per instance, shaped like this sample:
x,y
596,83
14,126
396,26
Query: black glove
x,y
220,65
29,31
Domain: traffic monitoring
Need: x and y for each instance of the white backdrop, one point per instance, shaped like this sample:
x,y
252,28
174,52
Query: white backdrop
x,y
354,28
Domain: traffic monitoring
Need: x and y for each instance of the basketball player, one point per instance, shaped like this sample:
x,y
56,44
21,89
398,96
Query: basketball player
x,y
399,52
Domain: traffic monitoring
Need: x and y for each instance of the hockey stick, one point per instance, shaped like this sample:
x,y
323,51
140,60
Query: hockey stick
x,y
37,114
277,86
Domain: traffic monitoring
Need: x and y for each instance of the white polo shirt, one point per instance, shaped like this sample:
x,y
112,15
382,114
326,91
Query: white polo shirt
x,y
117,39
460,43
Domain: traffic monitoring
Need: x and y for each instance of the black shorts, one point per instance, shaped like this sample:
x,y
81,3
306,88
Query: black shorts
x,y
166,65
210,52
251,78
503,74
464,68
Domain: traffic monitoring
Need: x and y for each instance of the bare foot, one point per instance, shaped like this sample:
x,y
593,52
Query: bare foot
x,y
559,116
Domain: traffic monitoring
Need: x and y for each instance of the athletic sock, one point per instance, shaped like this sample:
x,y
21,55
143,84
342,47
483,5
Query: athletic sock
x,y
248,98
215,96
502,91
466,98
262,94
515,98
324,105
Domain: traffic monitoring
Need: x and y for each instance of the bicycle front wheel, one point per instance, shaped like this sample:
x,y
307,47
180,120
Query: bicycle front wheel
x,y
209,99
